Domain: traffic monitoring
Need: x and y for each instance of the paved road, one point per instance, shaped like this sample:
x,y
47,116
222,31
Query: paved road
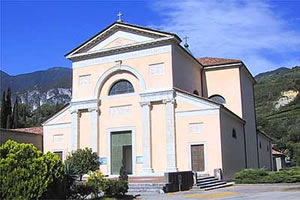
x,y
255,192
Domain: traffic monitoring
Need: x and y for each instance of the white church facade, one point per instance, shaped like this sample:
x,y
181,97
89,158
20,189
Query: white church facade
x,y
142,98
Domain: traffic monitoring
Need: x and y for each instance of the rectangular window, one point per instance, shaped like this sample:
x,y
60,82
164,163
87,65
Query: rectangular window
x,y
84,79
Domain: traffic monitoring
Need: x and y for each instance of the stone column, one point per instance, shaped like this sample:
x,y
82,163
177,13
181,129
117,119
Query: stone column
x,y
94,129
75,129
146,119
171,140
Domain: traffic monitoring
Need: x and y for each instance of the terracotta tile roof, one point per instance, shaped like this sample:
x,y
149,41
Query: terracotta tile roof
x,y
209,61
275,152
34,130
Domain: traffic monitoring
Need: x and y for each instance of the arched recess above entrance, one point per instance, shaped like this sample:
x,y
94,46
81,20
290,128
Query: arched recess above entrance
x,y
119,76
116,73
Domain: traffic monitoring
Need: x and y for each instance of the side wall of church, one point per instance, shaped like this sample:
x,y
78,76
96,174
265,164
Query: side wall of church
x,y
233,147
249,115
186,71
57,134
224,82
265,152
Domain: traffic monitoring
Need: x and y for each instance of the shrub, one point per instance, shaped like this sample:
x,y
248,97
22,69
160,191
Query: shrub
x,y
123,173
250,176
253,176
25,172
82,161
96,182
284,176
115,188
80,190
123,178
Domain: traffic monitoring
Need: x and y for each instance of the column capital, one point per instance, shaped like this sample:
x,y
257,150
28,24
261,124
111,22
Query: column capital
x,y
145,103
94,109
172,101
72,111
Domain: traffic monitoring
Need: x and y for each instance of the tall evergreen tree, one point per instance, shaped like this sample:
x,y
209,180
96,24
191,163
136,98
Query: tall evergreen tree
x,y
8,109
3,111
24,115
9,122
16,114
8,105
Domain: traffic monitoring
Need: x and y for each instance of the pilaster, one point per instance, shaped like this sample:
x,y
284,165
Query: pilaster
x,y
94,128
146,119
170,130
75,129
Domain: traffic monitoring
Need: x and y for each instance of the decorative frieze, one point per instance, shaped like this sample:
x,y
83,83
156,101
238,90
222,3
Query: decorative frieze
x,y
195,127
157,69
84,79
122,56
120,110
58,138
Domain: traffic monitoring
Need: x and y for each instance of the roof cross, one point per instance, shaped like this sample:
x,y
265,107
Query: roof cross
x,y
185,39
120,15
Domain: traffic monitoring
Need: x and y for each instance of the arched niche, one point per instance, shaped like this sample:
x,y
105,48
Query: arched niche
x,y
117,70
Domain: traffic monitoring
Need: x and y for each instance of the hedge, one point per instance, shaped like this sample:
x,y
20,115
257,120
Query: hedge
x,y
255,176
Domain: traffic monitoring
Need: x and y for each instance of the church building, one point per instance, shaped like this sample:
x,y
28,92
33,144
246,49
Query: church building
x,y
141,97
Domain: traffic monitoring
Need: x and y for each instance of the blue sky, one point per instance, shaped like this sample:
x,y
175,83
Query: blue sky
x,y
35,35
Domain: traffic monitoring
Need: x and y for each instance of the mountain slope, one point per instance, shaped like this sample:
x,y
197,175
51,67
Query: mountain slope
x,y
39,78
49,86
277,99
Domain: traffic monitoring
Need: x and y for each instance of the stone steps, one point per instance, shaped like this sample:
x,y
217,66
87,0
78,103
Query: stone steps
x,y
210,183
146,187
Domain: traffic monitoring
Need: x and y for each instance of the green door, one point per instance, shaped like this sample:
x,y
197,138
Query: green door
x,y
121,143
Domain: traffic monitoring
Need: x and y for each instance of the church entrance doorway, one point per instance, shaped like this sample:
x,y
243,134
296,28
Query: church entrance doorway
x,y
197,155
121,151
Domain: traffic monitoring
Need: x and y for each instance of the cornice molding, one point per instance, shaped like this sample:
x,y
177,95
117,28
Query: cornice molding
x,y
102,52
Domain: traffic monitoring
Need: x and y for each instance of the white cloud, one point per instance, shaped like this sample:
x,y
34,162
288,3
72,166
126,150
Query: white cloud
x,y
248,30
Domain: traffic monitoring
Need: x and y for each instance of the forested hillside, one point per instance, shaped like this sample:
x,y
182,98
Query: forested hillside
x,y
277,96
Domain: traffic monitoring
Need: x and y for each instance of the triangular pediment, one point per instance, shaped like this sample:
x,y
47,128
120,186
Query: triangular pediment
x,y
119,39
120,34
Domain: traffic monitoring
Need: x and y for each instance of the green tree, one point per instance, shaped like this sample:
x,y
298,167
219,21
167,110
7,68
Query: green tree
x,y
123,173
8,122
3,111
8,108
25,172
16,114
82,161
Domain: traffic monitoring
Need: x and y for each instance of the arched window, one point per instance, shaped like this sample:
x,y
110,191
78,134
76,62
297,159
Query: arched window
x,y
196,92
218,98
234,133
121,87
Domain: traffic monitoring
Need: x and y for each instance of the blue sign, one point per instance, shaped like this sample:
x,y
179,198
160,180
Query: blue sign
x,y
102,160
139,159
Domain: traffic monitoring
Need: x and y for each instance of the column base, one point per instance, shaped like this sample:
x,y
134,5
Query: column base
x,y
147,171
172,169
